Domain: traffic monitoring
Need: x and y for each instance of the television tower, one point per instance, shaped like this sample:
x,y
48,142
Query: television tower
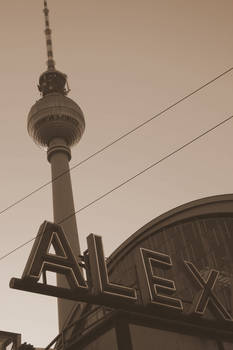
x,y
57,123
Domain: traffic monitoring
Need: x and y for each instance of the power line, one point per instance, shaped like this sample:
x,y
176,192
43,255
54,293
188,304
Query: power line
x,y
148,168
127,181
117,140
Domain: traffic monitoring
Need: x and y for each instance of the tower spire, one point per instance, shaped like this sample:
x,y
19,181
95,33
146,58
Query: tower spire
x,y
51,81
48,32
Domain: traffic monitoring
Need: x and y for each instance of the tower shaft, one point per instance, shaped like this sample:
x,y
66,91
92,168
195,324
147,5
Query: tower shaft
x,y
63,211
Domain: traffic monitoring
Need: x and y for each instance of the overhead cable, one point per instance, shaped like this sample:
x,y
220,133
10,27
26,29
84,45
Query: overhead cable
x,y
116,140
127,181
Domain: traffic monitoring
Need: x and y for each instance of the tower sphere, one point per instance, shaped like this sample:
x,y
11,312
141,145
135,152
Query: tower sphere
x,y
55,116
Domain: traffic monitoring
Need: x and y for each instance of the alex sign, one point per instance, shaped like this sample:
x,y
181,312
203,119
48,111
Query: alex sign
x,y
155,292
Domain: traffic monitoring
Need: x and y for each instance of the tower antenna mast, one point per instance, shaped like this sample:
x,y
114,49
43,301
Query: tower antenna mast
x,y
48,35
51,81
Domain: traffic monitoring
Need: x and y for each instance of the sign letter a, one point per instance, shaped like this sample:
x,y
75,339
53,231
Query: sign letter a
x,y
63,261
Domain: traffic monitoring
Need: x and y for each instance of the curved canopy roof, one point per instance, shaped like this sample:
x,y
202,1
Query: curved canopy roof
x,y
209,206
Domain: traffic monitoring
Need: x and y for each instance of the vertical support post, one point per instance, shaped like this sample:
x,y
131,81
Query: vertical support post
x,y
123,335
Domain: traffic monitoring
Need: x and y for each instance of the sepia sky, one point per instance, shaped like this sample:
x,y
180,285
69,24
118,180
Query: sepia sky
x,y
126,60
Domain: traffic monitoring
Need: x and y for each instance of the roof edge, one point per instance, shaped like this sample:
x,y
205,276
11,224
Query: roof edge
x,y
219,204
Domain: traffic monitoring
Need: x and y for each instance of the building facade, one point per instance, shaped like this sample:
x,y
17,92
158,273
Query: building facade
x,y
199,232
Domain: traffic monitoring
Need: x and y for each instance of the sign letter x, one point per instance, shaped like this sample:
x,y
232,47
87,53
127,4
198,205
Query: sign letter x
x,y
207,295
